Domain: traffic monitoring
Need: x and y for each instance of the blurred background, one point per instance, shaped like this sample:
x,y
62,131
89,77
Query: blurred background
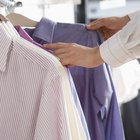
x,y
81,11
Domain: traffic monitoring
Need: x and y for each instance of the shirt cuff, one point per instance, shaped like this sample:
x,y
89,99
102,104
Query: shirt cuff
x,y
134,15
113,52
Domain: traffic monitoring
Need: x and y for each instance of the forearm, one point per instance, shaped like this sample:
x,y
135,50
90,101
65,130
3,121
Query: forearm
x,y
124,46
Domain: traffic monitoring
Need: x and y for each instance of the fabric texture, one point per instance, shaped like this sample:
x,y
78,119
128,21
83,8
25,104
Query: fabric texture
x,y
24,35
34,104
127,81
94,86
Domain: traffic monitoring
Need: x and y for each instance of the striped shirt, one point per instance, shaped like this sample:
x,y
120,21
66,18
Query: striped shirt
x,y
24,35
35,97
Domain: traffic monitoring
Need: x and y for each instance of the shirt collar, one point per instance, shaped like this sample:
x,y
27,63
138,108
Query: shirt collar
x,y
23,33
45,30
4,47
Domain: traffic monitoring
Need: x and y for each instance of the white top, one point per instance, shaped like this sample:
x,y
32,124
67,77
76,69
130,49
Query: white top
x,y
126,80
124,46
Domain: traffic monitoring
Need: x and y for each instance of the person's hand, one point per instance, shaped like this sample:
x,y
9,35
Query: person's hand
x,y
108,26
74,54
2,18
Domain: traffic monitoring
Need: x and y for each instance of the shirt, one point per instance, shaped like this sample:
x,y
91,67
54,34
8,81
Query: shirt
x,y
123,46
34,104
94,86
24,35
127,81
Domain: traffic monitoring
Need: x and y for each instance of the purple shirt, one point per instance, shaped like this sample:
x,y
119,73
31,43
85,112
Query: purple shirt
x,y
94,85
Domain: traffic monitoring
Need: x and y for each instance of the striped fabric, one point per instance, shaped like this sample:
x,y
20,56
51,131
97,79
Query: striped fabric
x,y
33,94
24,35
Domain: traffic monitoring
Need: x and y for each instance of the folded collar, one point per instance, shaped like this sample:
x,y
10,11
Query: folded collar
x,y
44,30
23,33
5,44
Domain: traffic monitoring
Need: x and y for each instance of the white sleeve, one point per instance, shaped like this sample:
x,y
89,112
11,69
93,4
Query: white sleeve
x,y
124,46
134,15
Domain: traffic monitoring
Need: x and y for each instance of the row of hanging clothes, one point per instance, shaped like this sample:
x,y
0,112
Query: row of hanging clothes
x,y
42,100
38,99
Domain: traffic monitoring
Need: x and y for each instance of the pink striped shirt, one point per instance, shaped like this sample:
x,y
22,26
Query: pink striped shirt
x,y
32,101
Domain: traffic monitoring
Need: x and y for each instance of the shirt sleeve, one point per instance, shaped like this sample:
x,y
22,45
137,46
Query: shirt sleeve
x,y
124,46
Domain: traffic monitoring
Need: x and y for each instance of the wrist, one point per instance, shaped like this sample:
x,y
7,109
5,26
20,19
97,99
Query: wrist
x,y
98,59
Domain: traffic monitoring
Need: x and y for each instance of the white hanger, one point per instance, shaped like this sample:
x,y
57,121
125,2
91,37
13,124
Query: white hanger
x,y
12,29
18,19
8,27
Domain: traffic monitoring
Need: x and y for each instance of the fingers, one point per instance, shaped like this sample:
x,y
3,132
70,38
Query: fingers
x,y
61,50
96,24
69,65
55,45
65,62
106,33
73,54
65,59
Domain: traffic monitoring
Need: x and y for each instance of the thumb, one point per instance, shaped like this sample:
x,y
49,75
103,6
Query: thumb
x,y
94,25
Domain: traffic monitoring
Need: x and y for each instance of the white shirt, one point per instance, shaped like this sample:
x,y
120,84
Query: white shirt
x,y
126,80
35,96
124,46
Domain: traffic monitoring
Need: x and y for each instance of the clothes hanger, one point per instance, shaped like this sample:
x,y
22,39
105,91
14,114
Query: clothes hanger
x,y
12,29
8,26
3,18
18,19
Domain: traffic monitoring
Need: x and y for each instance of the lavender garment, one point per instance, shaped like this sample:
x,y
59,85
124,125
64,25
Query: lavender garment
x,y
94,86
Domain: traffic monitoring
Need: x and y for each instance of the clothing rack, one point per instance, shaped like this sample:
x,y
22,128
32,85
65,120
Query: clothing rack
x,y
7,3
